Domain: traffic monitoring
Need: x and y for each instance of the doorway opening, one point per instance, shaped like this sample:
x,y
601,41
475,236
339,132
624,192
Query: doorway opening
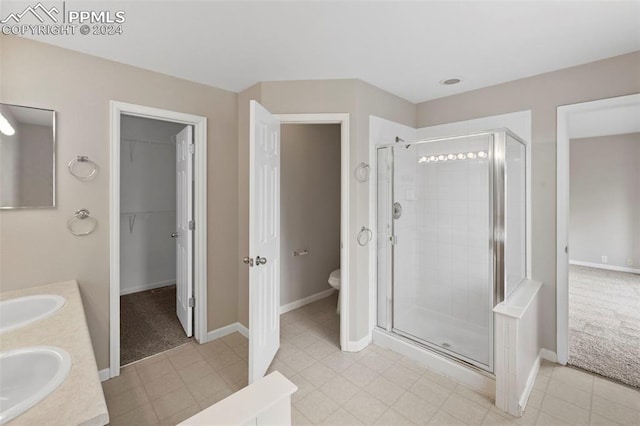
x,y
265,255
310,208
598,275
157,253
151,197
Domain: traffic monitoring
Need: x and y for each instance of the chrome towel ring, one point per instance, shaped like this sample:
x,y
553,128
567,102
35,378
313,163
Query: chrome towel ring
x,y
364,236
362,172
82,215
85,160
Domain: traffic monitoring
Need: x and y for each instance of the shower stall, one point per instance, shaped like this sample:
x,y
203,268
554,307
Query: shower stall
x,y
451,240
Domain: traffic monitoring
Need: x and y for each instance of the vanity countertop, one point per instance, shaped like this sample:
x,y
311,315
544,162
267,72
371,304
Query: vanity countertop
x,y
79,400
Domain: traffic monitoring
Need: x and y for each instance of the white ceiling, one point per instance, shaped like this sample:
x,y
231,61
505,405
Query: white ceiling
x,y
405,48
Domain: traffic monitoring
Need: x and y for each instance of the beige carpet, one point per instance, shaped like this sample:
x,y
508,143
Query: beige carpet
x,y
148,324
604,323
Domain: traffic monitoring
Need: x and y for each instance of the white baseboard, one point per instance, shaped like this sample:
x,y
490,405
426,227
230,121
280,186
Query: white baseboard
x,y
144,287
300,303
358,345
243,330
548,355
531,379
605,266
104,374
226,330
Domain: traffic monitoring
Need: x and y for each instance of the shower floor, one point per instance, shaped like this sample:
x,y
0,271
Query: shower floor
x,y
461,339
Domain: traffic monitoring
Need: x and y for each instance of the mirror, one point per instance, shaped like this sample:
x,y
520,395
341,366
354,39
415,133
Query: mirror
x,y
27,157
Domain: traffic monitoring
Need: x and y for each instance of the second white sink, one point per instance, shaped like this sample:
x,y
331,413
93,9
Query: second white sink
x,y
15,313
28,375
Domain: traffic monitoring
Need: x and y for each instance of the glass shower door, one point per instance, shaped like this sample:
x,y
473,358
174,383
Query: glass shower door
x,y
441,243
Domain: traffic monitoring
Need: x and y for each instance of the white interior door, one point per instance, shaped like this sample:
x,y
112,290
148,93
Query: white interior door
x,y
184,228
264,240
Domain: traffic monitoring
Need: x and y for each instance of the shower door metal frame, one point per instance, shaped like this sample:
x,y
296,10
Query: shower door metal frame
x,y
497,207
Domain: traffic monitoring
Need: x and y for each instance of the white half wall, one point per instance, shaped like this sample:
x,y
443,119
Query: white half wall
x,y
604,220
147,204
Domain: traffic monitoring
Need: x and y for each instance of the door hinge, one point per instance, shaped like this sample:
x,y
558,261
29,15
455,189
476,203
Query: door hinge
x,y
192,302
192,225
393,239
192,148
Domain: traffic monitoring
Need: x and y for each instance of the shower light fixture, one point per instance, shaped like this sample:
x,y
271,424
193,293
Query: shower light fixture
x,y
458,156
5,126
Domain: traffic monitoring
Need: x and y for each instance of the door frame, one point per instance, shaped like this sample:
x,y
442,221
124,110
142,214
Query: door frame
x,y
345,228
563,137
199,213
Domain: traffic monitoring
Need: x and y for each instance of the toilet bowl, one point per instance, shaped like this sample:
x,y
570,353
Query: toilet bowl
x,y
334,281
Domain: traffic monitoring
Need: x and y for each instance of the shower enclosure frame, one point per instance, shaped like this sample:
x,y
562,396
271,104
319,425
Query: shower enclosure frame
x,y
497,215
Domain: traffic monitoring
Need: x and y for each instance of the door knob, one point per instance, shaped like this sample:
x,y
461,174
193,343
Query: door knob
x,y
261,260
247,261
174,235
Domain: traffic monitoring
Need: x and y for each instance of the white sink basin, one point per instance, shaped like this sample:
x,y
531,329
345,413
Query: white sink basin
x,y
15,313
28,375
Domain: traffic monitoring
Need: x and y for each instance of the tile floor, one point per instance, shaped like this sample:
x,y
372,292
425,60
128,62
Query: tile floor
x,y
374,386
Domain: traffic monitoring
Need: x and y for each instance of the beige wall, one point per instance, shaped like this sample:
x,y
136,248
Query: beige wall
x,y
542,94
36,247
605,200
309,208
359,100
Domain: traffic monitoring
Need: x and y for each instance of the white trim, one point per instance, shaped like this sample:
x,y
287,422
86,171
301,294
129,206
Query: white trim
x,y
548,355
305,301
563,137
528,387
149,286
469,377
605,266
345,227
200,215
225,331
104,375
358,345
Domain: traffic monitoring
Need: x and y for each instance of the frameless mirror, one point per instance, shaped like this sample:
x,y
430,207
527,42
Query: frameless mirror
x,y
27,157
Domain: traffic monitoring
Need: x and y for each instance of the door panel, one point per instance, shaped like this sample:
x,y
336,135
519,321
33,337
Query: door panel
x,y
184,240
264,240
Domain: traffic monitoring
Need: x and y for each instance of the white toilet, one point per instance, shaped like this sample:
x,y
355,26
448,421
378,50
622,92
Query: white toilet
x,y
334,281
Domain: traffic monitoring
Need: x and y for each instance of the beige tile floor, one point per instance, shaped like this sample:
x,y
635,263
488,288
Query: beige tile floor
x,y
374,386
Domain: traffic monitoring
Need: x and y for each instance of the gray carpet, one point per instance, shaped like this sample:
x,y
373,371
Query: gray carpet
x,y
604,323
148,324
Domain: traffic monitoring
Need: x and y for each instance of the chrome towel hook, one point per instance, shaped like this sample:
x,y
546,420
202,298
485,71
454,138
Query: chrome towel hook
x,y
82,159
82,215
